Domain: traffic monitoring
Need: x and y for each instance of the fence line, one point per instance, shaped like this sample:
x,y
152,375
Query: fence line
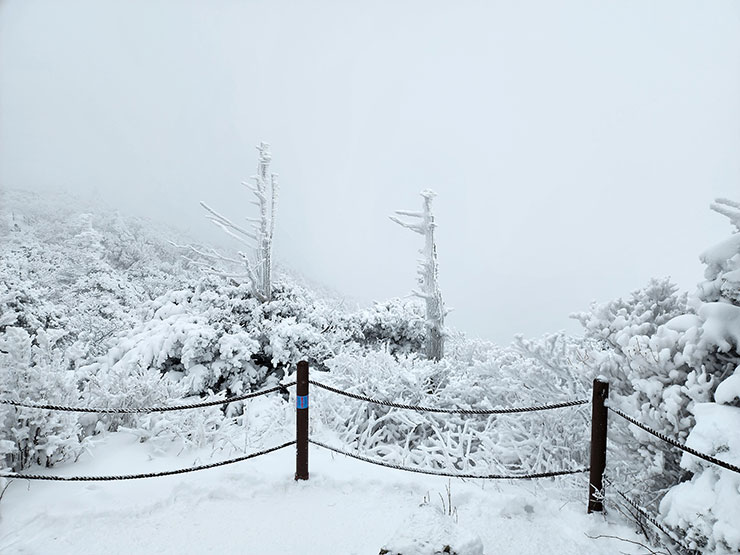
x,y
598,439
433,472
421,408
676,443
145,410
13,475
646,515
598,427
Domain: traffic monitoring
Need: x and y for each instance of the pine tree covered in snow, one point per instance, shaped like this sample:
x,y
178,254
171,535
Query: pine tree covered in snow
x,y
667,356
706,509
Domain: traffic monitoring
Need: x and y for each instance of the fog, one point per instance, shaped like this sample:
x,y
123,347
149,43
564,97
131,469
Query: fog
x,y
575,146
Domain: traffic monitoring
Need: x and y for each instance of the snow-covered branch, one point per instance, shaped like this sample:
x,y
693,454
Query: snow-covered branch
x,y
729,208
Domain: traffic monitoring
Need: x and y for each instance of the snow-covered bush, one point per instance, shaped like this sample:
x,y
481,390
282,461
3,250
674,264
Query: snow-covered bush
x,y
473,375
70,280
705,509
221,338
84,269
32,370
645,382
212,426
395,325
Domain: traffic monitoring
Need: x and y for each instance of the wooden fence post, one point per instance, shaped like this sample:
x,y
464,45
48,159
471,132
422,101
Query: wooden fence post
x,y
301,422
598,446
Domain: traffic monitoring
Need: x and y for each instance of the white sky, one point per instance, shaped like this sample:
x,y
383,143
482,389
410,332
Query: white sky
x,y
575,145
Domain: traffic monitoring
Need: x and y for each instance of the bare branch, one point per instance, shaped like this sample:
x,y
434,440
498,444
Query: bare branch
x,y
413,227
225,222
728,202
213,255
234,235
410,213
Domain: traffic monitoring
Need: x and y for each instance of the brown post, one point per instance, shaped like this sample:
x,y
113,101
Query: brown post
x,y
598,446
301,422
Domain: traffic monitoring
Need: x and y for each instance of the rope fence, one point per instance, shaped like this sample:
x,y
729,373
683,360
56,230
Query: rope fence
x,y
433,472
646,515
601,409
676,443
596,468
13,475
302,440
146,410
421,408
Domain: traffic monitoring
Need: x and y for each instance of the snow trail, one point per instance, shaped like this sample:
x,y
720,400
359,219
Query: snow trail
x,y
346,508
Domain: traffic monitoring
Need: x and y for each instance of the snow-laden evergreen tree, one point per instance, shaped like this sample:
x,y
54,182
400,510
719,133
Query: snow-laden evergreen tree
x,y
423,223
706,509
667,356
644,382
258,236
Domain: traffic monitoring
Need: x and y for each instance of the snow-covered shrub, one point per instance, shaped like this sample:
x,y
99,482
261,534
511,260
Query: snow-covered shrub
x,y
122,387
645,382
706,508
396,325
223,339
69,282
84,269
32,370
489,377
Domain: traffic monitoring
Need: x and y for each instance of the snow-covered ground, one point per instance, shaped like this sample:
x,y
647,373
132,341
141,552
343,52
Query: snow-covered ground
x,y
347,507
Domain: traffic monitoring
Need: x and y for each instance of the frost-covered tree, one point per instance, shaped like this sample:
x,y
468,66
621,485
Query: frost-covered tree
x,y
257,236
423,223
722,275
32,369
667,356
705,509
619,344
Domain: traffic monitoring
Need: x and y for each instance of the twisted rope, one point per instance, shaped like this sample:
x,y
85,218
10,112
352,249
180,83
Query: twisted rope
x,y
676,443
644,514
449,474
448,411
13,475
145,410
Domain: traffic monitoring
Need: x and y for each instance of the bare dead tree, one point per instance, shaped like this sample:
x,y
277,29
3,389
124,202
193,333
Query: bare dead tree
x,y
258,235
423,223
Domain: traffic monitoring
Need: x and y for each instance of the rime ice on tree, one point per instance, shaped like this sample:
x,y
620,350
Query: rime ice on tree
x,y
259,236
423,223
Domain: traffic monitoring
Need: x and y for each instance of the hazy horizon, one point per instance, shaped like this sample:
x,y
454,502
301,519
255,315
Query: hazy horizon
x,y
574,146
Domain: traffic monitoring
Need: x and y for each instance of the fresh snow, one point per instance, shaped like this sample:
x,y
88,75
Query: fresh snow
x,y
713,491
347,507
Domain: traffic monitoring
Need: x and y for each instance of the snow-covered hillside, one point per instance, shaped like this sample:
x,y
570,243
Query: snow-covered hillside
x,y
98,309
